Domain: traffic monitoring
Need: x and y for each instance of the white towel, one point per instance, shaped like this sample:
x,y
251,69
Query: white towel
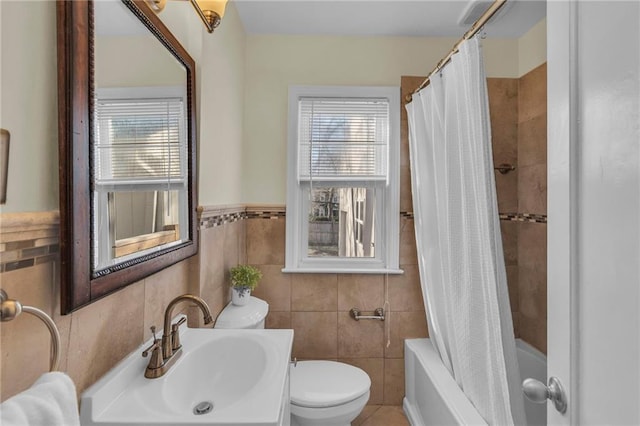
x,y
51,401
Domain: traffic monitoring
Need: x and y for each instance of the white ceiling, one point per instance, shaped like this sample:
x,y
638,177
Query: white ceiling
x,y
432,18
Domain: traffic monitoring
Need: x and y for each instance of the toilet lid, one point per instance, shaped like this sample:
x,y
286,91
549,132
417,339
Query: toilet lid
x,y
318,384
246,316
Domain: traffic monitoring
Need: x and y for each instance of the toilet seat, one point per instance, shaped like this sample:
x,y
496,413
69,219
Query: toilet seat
x,y
319,384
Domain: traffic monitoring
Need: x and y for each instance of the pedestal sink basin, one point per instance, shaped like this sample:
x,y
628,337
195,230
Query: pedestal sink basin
x,y
222,377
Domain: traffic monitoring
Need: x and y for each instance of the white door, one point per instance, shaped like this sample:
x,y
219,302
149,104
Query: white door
x,y
593,64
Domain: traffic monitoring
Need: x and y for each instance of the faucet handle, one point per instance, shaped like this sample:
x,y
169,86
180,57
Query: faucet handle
x,y
153,347
175,334
175,326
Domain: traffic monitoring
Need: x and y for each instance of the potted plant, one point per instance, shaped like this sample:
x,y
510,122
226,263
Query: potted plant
x,y
244,279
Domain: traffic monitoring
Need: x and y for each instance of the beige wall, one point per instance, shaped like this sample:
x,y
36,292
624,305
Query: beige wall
x,y
148,63
28,90
220,73
276,62
532,48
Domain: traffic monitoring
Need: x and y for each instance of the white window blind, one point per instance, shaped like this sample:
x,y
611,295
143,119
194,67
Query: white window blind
x,y
140,141
343,139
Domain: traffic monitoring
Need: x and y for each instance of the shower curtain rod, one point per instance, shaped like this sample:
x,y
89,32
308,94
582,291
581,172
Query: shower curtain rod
x,y
475,28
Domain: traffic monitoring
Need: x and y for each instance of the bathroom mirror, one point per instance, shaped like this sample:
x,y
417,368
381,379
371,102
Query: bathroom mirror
x,y
127,148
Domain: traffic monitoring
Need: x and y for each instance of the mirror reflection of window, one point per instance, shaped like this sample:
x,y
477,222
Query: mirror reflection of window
x,y
140,171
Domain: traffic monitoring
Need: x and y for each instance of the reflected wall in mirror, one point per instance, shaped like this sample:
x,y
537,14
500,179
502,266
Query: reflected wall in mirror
x,y
127,147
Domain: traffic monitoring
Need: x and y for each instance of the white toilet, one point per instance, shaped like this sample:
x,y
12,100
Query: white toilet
x,y
323,393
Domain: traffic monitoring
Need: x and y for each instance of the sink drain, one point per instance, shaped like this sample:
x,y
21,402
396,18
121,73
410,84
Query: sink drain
x,y
203,408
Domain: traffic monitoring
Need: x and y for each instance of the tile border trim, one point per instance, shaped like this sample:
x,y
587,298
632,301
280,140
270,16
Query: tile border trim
x,y
524,217
29,239
33,238
216,216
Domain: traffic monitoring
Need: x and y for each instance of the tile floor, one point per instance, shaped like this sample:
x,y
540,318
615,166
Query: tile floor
x,y
381,415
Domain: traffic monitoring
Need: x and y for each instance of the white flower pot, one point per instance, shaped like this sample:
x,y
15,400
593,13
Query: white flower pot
x,y
240,296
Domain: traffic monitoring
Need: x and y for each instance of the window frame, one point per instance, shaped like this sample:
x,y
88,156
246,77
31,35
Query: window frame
x,y
387,194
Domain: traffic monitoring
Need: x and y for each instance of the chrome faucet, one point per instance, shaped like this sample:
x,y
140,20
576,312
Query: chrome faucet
x,y
165,352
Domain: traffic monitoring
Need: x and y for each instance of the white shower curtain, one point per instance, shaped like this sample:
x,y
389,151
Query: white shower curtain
x,y
458,236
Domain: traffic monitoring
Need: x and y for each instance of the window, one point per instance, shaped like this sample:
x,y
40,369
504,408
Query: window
x,y
140,172
343,179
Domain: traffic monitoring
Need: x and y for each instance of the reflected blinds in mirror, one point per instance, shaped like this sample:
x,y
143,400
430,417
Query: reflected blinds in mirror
x,y
343,139
140,142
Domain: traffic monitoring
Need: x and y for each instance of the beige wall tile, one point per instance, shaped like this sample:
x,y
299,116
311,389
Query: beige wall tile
x,y
532,141
211,260
404,325
405,293
532,89
234,245
374,367
507,191
219,299
104,332
393,381
533,295
509,231
265,241
315,335
274,287
314,292
532,278
359,339
408,252
503,109
362,291
278,320
532,189
532,244
160,289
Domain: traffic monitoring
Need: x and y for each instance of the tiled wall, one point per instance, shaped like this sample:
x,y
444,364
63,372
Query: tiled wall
x,y
519,126
532,198
503,107
222,245
317,307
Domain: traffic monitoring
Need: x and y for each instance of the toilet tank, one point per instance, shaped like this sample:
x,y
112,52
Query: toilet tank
x,y
251,315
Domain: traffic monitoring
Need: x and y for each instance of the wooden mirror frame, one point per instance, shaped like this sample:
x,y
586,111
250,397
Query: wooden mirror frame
x,y
80,284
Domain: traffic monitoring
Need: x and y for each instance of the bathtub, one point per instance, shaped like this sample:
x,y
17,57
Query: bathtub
x,y
432,396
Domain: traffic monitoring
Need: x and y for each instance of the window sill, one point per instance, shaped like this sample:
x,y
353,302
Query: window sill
x,y
342,271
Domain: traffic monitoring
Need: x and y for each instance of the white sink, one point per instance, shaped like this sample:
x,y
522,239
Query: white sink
x,y
243,373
